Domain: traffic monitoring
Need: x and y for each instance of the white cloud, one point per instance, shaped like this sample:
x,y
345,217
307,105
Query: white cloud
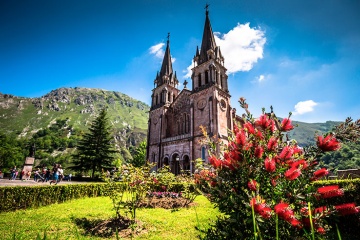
x,y
304,107
157,50
242,47
261,78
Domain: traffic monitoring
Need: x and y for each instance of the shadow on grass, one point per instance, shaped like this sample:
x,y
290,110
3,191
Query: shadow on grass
x,y
105,227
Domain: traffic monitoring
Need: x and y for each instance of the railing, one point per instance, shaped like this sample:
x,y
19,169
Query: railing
x,y
187,135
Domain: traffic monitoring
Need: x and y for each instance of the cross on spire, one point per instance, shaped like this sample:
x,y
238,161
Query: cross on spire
x,y
185,83
207,8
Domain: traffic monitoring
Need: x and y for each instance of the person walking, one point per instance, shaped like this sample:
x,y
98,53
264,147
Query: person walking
x,y
55,174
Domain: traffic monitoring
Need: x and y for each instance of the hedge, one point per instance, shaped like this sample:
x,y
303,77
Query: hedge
x,y
21,197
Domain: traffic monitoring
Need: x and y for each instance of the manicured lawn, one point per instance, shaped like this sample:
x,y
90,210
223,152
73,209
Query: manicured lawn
x,y
58,220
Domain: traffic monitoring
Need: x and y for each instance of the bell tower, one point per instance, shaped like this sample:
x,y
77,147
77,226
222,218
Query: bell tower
x,y
166,82
209,69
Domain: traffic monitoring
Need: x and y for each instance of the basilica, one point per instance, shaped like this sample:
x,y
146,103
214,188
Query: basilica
x,y
175,116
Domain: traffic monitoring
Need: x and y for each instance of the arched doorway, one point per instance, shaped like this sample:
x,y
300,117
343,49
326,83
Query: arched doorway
x,y
186,164
175,166
166,161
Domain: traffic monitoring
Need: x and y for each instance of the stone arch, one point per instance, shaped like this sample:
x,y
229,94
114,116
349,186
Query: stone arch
x,y
186,163
165,161
175,163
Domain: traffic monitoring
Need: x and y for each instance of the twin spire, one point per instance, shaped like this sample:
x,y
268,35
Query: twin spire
x,y
167,75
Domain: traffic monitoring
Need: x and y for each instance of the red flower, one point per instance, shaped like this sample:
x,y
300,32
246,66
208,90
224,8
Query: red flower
x,y
273,182
249,127
265,122
252,185
292,173
347,208
301,163
213,183
330,191
320,173
321,230
280,207
215,162
259,152
241,138
261,208
270,164
272,144
259,135
329,143
295,223
286,153
286,125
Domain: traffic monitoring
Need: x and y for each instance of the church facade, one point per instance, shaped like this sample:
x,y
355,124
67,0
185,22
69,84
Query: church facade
x,y
176,115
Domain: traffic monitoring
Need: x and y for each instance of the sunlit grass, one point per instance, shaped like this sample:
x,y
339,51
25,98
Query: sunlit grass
x,y
57,220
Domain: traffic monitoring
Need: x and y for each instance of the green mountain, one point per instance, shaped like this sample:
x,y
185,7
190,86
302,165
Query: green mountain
x,y
304,133
26,116
78,106
57,120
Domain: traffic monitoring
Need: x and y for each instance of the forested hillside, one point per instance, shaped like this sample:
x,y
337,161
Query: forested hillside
x,y
56,121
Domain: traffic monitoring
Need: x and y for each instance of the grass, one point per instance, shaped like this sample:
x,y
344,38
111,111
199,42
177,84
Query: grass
x,y
57,220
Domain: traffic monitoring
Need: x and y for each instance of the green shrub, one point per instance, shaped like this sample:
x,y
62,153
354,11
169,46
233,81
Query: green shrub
x,y
21,197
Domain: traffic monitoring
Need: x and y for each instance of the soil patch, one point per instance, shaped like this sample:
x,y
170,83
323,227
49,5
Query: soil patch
x,y
110,227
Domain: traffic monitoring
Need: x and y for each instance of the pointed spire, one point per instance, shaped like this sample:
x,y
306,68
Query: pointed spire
x,y
208,40
166,67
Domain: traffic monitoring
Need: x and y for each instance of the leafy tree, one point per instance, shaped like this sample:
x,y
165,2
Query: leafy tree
x,y
12,152
95,151
139,158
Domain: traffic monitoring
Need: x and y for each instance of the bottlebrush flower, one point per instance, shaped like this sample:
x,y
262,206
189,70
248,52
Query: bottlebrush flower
x,y
249,127
215,162
265,122
329,143
285,212
241,138
272,144
320,173
270,164
260,207
330,191
347,208
292,173
286,125
259,152
300,163
259,135
252,185
321,230
286,153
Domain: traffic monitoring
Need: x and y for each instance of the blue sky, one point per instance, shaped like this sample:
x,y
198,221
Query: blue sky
x,y
298,56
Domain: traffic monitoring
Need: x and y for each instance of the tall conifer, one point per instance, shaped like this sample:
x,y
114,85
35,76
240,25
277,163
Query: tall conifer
x,y
95,151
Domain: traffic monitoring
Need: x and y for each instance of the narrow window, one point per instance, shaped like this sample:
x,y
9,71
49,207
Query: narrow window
x,y
206,77
199,79
203,153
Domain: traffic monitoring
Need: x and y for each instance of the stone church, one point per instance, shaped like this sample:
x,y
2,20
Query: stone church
x,y
176,115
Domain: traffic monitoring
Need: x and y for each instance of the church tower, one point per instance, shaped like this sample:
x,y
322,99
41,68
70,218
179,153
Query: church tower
x,y
176,116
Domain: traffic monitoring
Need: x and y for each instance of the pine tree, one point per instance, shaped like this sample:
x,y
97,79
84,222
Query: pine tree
x,y
95,151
